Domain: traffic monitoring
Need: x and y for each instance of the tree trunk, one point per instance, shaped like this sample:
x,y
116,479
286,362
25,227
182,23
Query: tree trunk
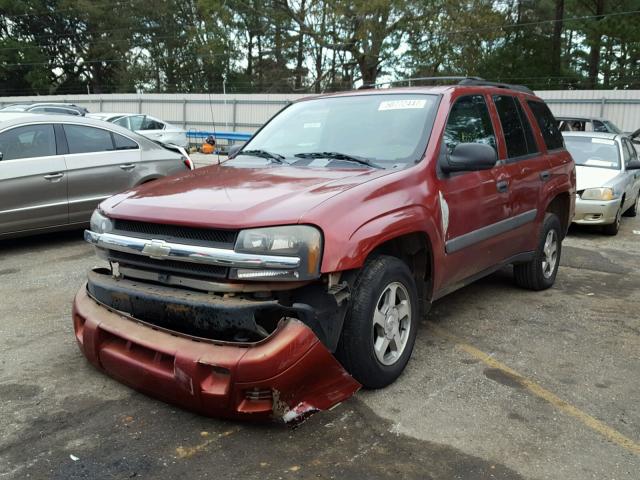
x,y
300,52
556,45
595,43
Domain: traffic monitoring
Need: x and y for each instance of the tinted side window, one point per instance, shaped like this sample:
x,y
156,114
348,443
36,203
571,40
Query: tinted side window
x,y
469,122
515,126
151,124
627,151
28,141
547,124
83,139
123,143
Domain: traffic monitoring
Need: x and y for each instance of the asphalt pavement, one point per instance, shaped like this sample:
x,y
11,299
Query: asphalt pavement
x,y
503,384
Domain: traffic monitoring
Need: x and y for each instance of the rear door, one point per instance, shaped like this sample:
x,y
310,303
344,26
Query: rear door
x,y
526,165
33,179
474,204
99,166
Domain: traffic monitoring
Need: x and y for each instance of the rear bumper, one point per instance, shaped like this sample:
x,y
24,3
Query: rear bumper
x,y
287,376
596,212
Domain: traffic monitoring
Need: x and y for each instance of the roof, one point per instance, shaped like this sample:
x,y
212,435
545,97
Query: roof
x,y
607,135
582,119
432,89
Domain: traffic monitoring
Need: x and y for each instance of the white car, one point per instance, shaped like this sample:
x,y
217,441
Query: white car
x,y
147,126
607,178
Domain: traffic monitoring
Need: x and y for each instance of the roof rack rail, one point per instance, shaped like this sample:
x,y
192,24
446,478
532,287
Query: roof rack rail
x,y
484,83
462,80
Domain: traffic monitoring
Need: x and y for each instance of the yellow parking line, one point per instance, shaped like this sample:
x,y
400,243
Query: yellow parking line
x,y
591,422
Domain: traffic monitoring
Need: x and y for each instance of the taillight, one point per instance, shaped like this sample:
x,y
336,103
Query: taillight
x,y
188,163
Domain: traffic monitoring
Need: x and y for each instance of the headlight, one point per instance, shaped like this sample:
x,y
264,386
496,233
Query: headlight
x,y
603,193
302,241
100,223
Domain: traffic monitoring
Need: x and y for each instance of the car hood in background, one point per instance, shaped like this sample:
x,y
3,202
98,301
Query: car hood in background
x,y
227,196
593,177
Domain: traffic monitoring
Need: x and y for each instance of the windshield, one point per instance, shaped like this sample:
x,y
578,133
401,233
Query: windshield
x,y
594,152
612,127
387,130
15,108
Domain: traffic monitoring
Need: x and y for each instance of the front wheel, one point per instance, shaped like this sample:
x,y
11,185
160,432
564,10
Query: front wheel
x,y
540,273
380,327
633,211
613,228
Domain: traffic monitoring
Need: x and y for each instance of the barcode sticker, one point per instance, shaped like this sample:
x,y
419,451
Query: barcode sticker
x,y
401,104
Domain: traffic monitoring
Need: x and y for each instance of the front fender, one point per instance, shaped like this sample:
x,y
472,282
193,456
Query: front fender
x,y
352,251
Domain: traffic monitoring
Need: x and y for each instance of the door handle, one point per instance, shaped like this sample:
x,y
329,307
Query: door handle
x,y
128,166
502,186
544,176
54,176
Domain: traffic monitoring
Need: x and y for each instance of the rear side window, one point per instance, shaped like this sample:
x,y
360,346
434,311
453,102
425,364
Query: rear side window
x,y
515,126
548,126
27,142
469,122
124,143
83,139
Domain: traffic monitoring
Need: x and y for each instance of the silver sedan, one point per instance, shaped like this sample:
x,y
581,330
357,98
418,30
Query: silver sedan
x,y
607,178
55,169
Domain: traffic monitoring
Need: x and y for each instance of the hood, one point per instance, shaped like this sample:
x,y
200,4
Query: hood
x,y
228,196
592,177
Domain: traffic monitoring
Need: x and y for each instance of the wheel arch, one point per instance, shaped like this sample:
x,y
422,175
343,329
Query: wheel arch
x,y
560,205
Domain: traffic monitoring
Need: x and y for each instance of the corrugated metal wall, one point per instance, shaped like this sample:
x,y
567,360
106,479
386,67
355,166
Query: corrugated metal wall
x,y
622,107
245,113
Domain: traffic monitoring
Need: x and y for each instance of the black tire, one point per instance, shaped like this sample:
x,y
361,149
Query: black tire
x,y
356,350
536,275
633,210
613,228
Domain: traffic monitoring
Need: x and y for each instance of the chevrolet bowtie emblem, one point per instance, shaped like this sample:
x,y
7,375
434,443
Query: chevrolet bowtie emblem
x,y
157,249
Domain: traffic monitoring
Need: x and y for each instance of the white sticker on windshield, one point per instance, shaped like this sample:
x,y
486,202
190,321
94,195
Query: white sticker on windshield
x,y
604,141
401,104
599,163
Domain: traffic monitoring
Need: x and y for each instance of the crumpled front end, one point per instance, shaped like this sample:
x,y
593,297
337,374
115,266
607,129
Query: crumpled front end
x,y
220,356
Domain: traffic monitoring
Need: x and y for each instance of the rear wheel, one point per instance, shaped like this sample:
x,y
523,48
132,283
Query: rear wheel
x,y
540,273
380,327
612,228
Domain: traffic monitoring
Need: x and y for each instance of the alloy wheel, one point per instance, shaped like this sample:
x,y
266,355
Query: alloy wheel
x,y
550,253
391,323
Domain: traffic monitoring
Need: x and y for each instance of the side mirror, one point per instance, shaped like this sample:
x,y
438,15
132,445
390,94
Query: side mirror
x,y
234,149
632,165
1,155
468,157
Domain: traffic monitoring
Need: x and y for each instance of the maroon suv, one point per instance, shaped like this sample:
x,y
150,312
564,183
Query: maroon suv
x,y
280,281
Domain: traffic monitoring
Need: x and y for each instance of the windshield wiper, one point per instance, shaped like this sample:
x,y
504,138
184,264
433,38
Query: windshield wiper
x,y
338,156
276,157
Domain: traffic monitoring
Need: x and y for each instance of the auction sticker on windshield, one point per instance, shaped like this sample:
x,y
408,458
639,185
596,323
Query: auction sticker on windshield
x,y
401,104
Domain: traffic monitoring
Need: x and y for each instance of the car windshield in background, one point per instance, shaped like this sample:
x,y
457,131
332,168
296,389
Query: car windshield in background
x,y
15,108
593,152
612,127
386,130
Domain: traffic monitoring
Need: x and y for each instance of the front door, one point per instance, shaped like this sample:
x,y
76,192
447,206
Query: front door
x,y
475,204
33,180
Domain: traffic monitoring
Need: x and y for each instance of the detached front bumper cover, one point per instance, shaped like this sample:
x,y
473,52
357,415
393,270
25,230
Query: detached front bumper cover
x,y
286,376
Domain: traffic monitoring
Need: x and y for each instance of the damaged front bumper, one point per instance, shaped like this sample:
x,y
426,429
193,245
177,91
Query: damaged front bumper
x,y
158,347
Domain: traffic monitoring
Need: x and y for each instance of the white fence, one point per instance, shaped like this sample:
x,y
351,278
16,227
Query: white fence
x,y
245,113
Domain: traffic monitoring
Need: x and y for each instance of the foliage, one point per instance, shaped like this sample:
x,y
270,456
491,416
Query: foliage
x,y
73,46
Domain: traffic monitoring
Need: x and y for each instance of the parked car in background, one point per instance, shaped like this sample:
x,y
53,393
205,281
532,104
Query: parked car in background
x,y
55,169
147,126
55,108
331,231
607,177
586,124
